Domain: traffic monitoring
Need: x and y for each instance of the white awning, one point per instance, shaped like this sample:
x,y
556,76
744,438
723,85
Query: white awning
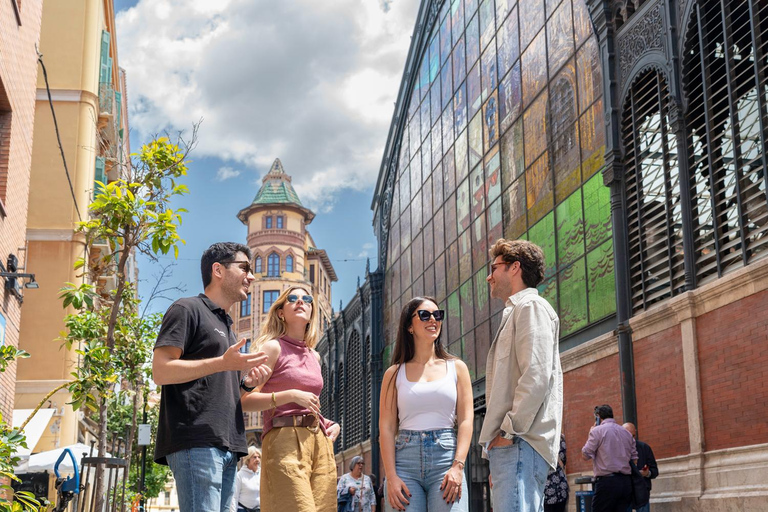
x,y
34,429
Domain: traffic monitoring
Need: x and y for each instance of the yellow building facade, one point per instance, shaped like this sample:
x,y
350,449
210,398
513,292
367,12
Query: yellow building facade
x,y
87,92
284,255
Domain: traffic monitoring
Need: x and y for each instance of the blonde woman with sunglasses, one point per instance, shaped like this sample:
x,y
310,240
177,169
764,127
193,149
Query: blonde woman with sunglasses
x,y
299,470
426,417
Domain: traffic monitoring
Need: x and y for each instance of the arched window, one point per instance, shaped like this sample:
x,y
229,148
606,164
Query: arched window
x,y
368,387
654,212
289,263
724,80
257,266
273,265
324,402
355,392
340,390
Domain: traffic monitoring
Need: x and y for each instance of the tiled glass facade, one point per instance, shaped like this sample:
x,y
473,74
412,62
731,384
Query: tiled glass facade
x,y
504,137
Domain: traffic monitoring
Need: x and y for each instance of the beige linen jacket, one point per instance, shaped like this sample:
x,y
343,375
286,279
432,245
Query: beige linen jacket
x,y
523,378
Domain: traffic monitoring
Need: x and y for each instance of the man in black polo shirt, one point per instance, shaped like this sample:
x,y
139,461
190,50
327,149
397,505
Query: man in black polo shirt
x,y
198,363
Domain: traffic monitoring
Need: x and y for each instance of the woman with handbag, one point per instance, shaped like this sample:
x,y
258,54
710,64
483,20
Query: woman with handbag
x,y
299,470
355,489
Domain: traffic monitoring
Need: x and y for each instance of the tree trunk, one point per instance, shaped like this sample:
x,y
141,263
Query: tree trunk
x,y
100,492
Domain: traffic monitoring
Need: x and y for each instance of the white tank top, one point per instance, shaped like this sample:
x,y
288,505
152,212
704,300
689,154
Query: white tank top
x,y
427,405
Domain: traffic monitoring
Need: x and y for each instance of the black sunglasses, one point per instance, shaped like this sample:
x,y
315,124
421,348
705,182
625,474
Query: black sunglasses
x,y
245,266
424,315
306,299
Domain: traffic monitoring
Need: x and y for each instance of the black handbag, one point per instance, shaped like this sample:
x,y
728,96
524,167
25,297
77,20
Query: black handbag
x,y
641,491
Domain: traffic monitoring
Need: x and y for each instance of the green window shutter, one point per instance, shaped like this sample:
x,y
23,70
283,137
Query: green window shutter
x,y
106,62
99,175
118,101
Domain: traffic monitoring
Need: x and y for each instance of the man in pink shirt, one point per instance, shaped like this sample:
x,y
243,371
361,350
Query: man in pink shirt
x,y
610,447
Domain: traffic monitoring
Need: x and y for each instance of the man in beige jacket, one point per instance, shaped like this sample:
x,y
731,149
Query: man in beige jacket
x,y
523,383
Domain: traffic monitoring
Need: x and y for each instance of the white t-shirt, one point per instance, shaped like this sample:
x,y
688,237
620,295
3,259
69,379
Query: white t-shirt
x,y
427,405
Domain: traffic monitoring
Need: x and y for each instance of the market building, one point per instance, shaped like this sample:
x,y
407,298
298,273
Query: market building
x,y
628,140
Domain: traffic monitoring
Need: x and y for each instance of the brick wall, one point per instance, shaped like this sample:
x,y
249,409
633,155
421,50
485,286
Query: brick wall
x,y
18,75
594,384
733,362
660,387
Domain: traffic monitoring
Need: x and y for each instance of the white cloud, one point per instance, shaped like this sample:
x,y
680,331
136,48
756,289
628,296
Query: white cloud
x,y
366,250
313,83
225,173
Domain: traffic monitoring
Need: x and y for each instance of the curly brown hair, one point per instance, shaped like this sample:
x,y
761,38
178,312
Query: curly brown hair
x,y
530,256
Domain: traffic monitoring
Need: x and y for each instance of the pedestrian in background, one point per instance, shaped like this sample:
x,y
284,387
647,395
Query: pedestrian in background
x,y
424,395
247,483
523,380
299,470
355,491
646,463
610,447
556,490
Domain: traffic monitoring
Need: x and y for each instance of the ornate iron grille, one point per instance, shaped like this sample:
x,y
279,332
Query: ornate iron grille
x,y
724,75
355,393
340,394
368,387
654,215
324,402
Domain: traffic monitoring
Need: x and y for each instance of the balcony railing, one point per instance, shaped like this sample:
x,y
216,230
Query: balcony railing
x,y
107,104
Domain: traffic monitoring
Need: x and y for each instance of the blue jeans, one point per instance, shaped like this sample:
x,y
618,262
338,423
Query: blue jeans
x,y
519,475
644,508
422,458
205,478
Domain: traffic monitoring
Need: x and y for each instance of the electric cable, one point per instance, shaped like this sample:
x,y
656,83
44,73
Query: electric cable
x,y
58,135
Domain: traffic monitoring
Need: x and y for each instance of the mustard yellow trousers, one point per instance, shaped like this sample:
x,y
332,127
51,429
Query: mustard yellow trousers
x,y
298,471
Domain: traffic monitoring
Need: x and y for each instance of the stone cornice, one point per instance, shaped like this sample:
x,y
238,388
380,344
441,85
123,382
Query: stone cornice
x,y
276,236
586,353
728,289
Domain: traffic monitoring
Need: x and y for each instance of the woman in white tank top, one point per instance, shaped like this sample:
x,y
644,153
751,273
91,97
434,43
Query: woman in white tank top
x,y
425,417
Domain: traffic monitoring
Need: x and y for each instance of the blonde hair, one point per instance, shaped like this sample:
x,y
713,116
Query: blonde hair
x,y
252,450
273,327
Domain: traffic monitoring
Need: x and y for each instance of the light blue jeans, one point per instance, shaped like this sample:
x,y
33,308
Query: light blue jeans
x,y
205,478
519,475
422,458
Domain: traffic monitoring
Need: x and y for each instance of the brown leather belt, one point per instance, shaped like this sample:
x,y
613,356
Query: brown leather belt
x,y
301,420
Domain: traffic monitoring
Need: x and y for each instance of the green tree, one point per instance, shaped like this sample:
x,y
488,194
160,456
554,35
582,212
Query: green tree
x,y
131,214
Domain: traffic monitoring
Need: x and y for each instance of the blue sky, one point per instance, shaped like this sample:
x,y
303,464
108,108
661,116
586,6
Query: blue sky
x,y
312,83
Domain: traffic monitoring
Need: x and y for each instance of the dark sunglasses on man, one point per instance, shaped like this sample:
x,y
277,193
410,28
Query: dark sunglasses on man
x,y
306,299
424,315
245,266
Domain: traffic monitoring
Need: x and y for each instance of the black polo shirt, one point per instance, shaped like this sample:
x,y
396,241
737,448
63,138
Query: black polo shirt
x,y
205,412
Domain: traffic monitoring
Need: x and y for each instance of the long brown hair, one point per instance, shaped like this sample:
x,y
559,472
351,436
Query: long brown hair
x,y
273,327
404,346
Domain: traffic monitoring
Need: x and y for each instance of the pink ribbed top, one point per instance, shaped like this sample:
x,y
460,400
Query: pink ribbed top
x,y
296,368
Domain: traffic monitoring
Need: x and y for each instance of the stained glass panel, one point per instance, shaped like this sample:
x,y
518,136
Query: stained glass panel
x,y
489,71
597,211
445,39
487,22
429,242
479,247
534,64
543,234
491,121
509,43
406,278
463,204
474,90
439,223
457,19
447,123
592,140
495,225
475,140
461,150
570,230
482,346
601,285
465,255
510,97
512,164
535,122
460,109
472,38
573,298
548,290
440,277
446,84
417,254
582,23
514,203
531,22
453,311
482,297
477,183
459,64
492,176
450,219
416,213
426,200
452,266
467,308
587,71
564,133
539,195
560,34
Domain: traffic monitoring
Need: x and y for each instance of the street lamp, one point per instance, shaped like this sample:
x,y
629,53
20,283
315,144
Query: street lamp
x,y
12,277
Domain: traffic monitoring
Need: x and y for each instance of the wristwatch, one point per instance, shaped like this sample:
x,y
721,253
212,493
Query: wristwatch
x,y
507,436
245,388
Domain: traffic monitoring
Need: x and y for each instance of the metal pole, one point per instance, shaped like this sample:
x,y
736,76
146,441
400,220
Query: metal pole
x,y
143,462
